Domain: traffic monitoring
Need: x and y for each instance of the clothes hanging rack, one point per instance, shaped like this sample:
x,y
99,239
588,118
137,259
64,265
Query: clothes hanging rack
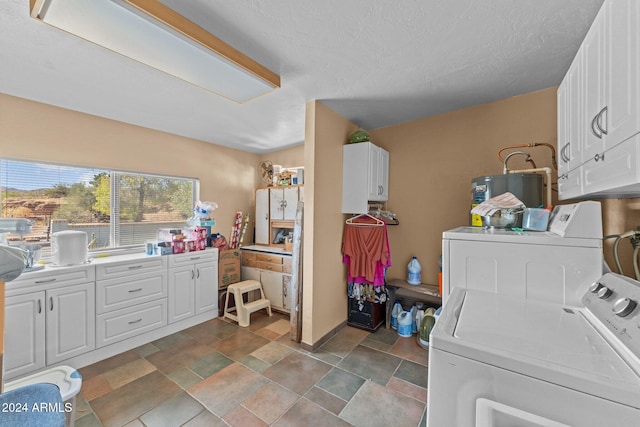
x,y
377,222
376,210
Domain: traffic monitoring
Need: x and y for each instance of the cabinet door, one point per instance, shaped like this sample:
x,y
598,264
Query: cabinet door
x,y
24,334
594,102
249,273
617,169
570,184
622,91
181,293
272,287
71,322
262,217
206,291
374,172
290,198
383,174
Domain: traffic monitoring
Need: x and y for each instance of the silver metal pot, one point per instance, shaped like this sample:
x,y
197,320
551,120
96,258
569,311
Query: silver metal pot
x,y
504,218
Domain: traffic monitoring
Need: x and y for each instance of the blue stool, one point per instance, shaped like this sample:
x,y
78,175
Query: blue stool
x,y
34,405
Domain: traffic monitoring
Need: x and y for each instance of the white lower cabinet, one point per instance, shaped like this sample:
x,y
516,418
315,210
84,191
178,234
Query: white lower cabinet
x,y
193,284
128,322
47,327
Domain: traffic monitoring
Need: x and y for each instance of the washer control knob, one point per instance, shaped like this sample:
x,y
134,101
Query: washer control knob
x,y
624,306
595,287
604,292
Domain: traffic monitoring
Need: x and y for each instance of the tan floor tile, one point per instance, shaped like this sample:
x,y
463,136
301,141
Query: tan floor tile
x,y
126,373
305,413
272,352
240,417
270,402
226,389
268,334
134,399
408,348
280,327
344,341
108,364
179,355
95,387
390,409
408,389
241,344
297,372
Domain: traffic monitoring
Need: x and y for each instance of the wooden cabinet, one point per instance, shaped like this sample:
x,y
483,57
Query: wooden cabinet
x,y
365,176
193,284
274,272
49,320
275,209
599,106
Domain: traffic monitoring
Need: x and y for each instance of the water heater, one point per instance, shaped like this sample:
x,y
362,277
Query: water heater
x,y
527,187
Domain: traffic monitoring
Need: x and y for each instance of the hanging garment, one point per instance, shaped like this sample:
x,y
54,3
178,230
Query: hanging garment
x,y
366,252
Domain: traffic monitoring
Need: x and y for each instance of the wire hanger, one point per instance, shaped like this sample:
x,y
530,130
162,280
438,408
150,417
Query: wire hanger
x,y
377,222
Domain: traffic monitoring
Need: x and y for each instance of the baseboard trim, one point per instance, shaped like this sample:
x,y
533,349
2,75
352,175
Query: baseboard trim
x,y
315,346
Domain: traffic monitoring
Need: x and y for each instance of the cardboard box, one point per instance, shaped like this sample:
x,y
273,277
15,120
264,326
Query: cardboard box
x,y
228,267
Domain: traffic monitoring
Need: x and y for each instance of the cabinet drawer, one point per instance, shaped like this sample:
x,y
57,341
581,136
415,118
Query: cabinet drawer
x,y
270,266
128,322
127,268
209,255
63,276
120,292
249,259
269,258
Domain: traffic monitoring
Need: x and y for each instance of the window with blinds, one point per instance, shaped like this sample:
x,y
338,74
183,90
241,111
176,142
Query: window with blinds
x,y
116,209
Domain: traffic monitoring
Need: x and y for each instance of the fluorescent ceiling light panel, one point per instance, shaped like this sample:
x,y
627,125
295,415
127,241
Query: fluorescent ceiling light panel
x,y
149,32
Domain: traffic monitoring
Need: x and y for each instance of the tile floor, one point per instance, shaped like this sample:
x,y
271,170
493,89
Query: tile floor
x,y
218,374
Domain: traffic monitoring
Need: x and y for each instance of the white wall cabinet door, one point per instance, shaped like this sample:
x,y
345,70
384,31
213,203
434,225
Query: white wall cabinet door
x,y
181,293
71,322
24,334
262,217
365,176
206,287
622,71
283,203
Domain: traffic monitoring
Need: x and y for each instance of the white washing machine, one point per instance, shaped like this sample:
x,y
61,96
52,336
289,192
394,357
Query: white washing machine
x,y
500,360
555,266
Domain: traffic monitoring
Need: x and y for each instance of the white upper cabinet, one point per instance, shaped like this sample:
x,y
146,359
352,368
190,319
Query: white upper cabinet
x,y
262,217
365,176
599,105
283,203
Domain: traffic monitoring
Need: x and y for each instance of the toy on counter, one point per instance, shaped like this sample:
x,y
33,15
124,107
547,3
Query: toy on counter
x,y
201,212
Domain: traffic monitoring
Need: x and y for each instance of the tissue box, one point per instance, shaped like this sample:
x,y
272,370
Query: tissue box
x,y
535,219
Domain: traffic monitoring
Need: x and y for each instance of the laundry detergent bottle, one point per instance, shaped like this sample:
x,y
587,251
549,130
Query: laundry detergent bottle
x,y
414,272
395,312
405,324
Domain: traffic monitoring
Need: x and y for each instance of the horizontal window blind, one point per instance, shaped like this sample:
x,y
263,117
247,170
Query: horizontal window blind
x,y
114,208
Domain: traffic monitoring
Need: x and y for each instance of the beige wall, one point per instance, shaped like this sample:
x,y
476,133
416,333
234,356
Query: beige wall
x,y
35,131
433,160
324,276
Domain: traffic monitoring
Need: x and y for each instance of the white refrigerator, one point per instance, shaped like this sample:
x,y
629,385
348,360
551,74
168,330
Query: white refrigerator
x,y
555,266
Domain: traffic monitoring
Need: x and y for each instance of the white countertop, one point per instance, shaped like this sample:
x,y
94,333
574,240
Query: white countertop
x,y
269,249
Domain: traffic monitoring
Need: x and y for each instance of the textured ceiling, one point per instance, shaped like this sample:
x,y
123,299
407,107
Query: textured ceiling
x,y
376,62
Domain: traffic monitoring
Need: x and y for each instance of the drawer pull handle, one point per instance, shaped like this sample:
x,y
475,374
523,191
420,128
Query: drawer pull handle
x,y
135,290
135,267
51,303
45,281
198,275
195,258
39,306
133,322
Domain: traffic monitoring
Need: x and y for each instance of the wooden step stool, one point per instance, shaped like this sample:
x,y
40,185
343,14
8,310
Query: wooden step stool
x,y
243,310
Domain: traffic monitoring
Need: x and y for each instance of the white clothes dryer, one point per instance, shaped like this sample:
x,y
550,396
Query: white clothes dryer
x,y
500,360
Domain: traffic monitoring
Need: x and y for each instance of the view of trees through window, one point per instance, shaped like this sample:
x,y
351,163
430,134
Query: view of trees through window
x,y
114,208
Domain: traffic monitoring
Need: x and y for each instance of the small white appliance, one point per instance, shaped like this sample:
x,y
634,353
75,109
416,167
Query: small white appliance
x,y
69,247
555,266
499,360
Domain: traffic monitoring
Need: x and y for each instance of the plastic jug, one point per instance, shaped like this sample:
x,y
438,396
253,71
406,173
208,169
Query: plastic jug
x,y
405,324
418,319
395,312
428,321
414,272
414,327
